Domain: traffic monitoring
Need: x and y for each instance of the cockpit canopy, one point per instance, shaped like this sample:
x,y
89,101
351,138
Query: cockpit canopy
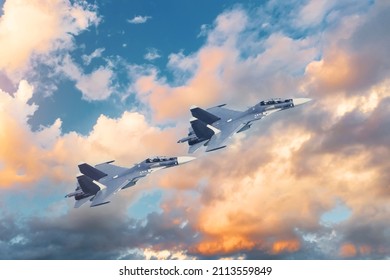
x,y
158,159
274,101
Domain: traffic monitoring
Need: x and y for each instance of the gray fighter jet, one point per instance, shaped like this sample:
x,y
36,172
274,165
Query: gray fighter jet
x,y
97,184
215,126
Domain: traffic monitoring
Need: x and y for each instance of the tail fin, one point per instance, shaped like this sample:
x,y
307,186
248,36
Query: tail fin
x,y
91,172
201,129
203,115
87,185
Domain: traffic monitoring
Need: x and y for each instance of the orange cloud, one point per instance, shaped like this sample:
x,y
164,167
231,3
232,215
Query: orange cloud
x,y
335,72
348,250
351,63
21,161
28,156
263,188
217,70
223,245
204,88
30,27
255,193
285,246
243,205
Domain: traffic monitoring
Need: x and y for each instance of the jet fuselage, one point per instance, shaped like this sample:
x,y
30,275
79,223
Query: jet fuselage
x,y
217,124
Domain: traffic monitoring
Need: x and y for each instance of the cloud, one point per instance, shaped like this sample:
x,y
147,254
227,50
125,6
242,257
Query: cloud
x,y
152,54
285,179
218,70
30,28
348,64
48,157
28,156
21,150
314,12
129,233
267,197
203,87
96,85
262,201
95,54
139,19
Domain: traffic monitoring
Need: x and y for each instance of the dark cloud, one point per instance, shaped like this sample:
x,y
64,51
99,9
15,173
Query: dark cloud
x,y
98,234
371,43
5,83
352,62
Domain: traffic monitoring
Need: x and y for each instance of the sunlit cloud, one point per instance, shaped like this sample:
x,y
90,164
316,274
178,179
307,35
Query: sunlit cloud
x,y
30,28
265,195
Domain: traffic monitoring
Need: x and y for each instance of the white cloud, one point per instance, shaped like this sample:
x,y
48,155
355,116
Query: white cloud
x,y
152,54
204,29
17,107
95,54
150,254
139,19
21,150
27,156
314,12
96,85
228,26
234,59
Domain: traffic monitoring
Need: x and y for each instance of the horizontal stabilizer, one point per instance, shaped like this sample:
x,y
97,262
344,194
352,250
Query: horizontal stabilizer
x,y
214,149
193,148
203,115
87,185
94,204
79,203
201,130
102,197
219,140
91,172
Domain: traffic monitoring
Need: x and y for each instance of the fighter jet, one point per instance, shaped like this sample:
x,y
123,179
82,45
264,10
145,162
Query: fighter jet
x,y
97,184
215,126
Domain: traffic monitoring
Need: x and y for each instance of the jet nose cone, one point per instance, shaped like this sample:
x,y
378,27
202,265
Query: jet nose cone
x,y
300,101
182,160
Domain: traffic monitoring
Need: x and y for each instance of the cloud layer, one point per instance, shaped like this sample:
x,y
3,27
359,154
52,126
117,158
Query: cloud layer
x,y
264,196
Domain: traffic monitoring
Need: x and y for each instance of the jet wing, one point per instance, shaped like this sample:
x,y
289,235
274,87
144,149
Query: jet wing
x,y
224,113
110,169
218,140
102,196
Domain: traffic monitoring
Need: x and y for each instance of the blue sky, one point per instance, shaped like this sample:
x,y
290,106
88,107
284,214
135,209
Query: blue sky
x,y
91,81
170,27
